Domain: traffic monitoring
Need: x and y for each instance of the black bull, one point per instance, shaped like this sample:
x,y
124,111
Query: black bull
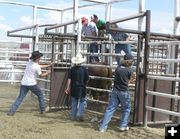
x,y
100,83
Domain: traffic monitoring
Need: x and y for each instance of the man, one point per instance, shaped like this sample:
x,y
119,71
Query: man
x,y
120,95
88,30
32,70
76,87
120,36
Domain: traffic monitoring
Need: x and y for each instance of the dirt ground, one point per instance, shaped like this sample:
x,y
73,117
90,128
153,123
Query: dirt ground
x,y
27,123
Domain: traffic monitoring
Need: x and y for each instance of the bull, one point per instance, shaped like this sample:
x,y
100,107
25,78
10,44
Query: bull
x,y
99,83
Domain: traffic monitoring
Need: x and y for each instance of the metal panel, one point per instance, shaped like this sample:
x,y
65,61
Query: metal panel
x,y
160,102
58,98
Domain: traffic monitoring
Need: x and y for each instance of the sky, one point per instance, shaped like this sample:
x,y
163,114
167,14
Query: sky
x,y
13,16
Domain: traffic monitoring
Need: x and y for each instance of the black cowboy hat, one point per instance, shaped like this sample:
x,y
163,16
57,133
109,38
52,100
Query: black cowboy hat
x,y
35,55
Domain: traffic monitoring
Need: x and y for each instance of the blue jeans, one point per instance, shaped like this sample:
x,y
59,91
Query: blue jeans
x,y
119,47
93,49
77,107
116,98
23,92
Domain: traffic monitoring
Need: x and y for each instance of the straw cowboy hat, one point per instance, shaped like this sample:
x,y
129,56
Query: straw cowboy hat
x,y
35,55
78,59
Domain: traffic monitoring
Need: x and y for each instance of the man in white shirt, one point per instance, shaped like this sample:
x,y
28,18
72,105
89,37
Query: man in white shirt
x,y
33,69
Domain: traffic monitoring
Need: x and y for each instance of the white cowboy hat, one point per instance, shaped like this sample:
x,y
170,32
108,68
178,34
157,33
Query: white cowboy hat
x,y
78,59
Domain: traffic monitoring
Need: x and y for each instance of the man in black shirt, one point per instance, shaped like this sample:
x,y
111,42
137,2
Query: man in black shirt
x,y
76,87
120,95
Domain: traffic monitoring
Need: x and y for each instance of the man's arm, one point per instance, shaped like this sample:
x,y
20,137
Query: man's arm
x,y
133,78
67,91
43,74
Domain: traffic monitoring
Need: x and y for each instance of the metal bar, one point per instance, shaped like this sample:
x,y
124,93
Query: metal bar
x,y
44,80
160,94
98,89
163,111
101,78
124,30
177,79
21,36
146,65
23,28
60,25
171,43
128,18
31,5
164,60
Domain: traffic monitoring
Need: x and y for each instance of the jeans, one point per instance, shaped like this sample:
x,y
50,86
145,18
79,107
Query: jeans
x,y
77,107
116,98
23,92
93,49
119,47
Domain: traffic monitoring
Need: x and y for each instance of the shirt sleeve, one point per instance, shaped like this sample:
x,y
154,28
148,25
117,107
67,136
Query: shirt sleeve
x,y
38,69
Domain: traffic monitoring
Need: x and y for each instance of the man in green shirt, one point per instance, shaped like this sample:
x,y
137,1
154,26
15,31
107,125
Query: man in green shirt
x,y
100,24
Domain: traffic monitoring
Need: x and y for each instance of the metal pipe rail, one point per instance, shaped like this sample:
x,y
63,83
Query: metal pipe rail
x,y
160,94
101,78
60,25
164,60
31,5
127,18
98,89
97,101
7,81
163,111
44,80
11,71
108,42
164,43
177,79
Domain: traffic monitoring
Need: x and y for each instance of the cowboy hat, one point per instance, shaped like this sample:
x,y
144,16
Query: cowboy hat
x,y
78,59
35,55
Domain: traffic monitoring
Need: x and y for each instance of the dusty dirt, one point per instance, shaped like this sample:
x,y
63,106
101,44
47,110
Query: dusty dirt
x,y
27,123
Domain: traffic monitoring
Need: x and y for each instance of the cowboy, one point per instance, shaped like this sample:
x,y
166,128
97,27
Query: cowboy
x,y
120,95
32,70
76,87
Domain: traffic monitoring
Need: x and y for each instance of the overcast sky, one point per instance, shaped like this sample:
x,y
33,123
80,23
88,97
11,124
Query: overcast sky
x,y
13,16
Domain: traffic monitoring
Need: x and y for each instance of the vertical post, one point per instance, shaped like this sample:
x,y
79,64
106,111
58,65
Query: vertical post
x,y
75,16
108,12
62,13
75,13
176,14
138,80
141,9
146,65
79,35
34,31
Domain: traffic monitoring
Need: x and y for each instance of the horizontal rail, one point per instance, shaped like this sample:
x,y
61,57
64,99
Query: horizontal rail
x,y
30,5
10,81
163,111
101,78
162,94
177,79
98,101
44,80
164,43
11,71
98,89
60,25
164,60
23,28
128,18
